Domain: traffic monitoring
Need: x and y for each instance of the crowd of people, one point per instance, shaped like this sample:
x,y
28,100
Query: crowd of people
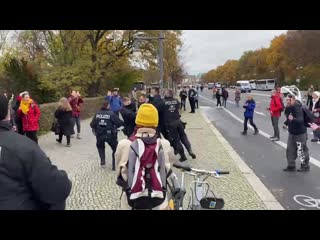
x,y
154,134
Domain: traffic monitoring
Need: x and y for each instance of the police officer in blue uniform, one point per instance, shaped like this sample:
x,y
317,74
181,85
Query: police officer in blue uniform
x,y
105,126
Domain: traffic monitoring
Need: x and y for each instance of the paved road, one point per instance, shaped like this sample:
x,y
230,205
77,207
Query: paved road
x,y
264,157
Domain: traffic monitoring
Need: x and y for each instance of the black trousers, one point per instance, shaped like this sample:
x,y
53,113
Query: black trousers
x,y
183,104
19,126
309,101
113,143
251,123
32,135
61,136
225,102
192,104
219,102
196,103
177,136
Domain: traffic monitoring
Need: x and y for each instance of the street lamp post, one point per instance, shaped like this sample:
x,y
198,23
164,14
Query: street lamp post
x,y
160,39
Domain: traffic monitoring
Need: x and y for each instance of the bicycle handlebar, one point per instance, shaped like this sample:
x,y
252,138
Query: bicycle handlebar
x,y
194,171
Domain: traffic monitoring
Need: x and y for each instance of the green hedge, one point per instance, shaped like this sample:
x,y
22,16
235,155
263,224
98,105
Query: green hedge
x,y
90,106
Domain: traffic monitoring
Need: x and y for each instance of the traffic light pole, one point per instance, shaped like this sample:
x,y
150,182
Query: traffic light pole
x,y
161,67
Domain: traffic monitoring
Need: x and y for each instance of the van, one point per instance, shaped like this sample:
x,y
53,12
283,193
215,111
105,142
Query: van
x,y
244,86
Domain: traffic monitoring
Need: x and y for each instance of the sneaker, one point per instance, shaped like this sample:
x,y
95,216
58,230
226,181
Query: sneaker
x,y
304,168
272,137
78,136
72,136
69,145
256,132
244,133
314,140
58,141
275,139
289,169
318,142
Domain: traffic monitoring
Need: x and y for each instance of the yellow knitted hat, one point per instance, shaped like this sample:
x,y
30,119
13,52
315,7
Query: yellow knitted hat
x,y
147,116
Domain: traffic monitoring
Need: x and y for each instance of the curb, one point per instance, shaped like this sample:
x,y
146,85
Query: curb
x,y
262,191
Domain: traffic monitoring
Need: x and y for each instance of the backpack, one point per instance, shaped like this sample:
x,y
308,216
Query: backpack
x,y
147,178
308,116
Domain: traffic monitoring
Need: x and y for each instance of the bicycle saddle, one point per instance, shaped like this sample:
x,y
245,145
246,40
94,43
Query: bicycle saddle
x,y
182,165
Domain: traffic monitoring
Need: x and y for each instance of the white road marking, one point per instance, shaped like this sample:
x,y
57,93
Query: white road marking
x,y
280,143
260,113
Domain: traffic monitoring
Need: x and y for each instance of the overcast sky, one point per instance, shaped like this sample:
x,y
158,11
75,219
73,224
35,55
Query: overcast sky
x,y
207,49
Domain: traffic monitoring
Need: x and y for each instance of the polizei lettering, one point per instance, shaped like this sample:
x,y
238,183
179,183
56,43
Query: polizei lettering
x,y
103,116
171,102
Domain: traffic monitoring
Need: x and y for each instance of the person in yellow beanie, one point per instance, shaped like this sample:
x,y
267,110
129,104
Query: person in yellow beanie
x,y
140,148
147,116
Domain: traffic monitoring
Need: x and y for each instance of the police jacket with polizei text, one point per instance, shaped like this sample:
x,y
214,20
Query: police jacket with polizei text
x,y
105,120
295,126
28,180
171,109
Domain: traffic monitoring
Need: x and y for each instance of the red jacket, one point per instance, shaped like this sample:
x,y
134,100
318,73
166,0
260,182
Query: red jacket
x,y
275,106
75,103
30,121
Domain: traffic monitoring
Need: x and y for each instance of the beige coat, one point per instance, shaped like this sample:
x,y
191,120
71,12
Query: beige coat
x,y
122,156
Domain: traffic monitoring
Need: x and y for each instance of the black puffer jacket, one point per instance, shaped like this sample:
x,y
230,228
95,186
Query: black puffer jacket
x,y
28,180
128,114
295,126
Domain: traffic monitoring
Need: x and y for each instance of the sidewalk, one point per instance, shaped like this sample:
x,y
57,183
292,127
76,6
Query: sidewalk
x,y
94,187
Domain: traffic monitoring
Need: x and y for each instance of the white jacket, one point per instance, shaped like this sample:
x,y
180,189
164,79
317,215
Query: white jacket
x,y
122,157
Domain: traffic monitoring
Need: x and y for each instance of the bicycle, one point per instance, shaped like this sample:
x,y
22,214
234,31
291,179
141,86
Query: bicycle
x,y
199,199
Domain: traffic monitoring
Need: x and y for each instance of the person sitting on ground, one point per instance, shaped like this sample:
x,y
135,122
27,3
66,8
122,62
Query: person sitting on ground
x,y
28,179
153,152
64,116
29,112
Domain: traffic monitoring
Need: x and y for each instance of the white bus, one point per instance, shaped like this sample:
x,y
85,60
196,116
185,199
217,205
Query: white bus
x,y
218,85
265,84
253,84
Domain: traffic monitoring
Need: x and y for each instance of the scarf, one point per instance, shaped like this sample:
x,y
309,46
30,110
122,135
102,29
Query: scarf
x,y
25,106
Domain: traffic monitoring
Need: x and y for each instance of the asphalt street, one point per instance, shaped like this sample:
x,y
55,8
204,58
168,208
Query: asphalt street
x,y
266,158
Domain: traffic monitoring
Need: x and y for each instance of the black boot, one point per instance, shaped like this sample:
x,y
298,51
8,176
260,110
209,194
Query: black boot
x,y
256,131
102,155
183,157
290,169
244,132
304,168
113,162
192,154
